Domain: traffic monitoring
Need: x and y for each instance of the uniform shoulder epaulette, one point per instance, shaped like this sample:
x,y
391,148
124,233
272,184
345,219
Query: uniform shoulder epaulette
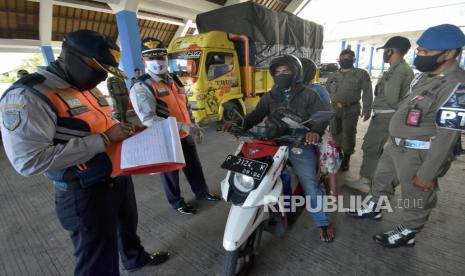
x,y
28,82
144,77
31,80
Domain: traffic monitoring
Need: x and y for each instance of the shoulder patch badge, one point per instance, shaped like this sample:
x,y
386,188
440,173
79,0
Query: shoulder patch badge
x,y
11,119
141,96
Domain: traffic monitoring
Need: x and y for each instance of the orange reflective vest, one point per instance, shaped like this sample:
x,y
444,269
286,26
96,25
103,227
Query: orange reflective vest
x,y
90,107
176,100
81,114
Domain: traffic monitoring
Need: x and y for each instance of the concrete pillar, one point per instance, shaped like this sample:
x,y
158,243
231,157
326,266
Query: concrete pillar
x,y
357,54
47,52
128,30
370,64
129,36
343,45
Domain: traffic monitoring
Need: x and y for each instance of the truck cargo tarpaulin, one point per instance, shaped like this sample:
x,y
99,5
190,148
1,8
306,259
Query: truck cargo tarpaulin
x,y
271,33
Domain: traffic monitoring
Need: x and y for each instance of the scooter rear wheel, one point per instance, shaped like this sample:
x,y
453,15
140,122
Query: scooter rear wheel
x,y
238,262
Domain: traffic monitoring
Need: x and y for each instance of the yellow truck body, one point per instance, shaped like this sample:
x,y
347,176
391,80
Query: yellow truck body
x,y
217,86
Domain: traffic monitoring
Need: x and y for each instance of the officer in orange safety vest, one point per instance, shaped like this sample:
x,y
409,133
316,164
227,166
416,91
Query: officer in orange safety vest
x,y
56,122
156,96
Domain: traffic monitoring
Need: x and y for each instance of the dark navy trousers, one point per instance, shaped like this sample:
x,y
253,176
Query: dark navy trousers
x,y
193,172
102,220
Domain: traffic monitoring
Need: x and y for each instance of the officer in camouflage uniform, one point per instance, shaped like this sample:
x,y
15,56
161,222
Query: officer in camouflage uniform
x,y
418,152
345,87
119,94
389,91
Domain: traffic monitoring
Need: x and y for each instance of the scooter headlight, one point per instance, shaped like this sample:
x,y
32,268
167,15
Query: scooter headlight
x,y
243,182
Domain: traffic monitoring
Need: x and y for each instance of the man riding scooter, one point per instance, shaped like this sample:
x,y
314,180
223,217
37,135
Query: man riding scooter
x,y
288,93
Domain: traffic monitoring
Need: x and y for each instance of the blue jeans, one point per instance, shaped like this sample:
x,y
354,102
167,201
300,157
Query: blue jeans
x,y
304,165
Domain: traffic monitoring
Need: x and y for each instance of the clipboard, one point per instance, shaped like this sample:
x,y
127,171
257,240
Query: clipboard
x,y
167,141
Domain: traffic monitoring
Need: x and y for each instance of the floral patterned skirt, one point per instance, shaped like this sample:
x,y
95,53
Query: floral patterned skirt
x,y
330,156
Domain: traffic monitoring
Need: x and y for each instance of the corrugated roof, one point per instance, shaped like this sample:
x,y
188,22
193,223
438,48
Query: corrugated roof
x,y
66,19
19,19
161,31
274,5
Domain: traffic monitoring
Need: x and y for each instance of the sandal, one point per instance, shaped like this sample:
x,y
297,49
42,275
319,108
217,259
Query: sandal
x,y
326,234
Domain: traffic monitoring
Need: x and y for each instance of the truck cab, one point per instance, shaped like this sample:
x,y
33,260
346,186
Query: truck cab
x,y
218,86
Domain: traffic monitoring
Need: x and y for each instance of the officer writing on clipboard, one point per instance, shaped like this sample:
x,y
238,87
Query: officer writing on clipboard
x,y
418,152
56,122
157,95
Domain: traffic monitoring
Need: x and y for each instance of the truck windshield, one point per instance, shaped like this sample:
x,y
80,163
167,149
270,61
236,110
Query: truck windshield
x,y
185,65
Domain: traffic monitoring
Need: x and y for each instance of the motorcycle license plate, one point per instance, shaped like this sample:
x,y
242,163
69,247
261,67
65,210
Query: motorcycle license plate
x,y
249,167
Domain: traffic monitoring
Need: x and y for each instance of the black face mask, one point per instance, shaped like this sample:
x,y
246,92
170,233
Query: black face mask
x,y
346,63
427,63
283,81
387,55
79,74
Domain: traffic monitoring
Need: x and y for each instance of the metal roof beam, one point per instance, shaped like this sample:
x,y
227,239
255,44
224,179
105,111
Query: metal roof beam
x,y
182,30
124,5
167,9
296,6
178,8
99,7
234,2
106,9
25,45
197,5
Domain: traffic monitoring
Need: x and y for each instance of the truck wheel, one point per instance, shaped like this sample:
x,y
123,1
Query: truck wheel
x,y
230,111
238,262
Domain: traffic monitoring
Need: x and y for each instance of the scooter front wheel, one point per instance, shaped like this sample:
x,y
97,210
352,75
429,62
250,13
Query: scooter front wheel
x,y
239,261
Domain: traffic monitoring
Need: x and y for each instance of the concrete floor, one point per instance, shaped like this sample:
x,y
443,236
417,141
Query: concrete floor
x,y
33,243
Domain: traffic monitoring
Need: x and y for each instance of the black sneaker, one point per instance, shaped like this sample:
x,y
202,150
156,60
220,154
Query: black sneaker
x,y
187,210
368,212
210,197
155,258
401,236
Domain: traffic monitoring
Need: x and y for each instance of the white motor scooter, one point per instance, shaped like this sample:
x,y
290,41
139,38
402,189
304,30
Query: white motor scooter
x,y
254,186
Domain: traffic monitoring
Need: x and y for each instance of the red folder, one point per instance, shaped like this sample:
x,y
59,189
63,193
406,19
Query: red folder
x,y
114,152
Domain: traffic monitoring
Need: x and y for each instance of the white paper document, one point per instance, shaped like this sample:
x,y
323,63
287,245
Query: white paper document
x,y
159,143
